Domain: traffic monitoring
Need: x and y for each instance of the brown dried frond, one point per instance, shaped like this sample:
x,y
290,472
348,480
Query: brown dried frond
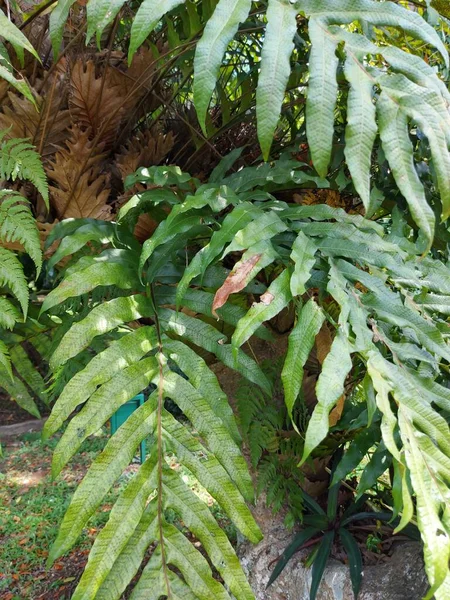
x,y
145,227
95,105
82,189
137,79
51,122
145,149
137,83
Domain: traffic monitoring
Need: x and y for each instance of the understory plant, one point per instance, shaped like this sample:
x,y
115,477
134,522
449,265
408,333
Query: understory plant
x,y
19,162
383,305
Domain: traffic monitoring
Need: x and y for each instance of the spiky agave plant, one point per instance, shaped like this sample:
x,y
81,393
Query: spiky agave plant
x,y
389,324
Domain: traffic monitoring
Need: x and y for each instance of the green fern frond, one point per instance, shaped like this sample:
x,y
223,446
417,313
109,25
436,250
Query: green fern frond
x,y
28,371
9,314
222,470
381,78
19,160
17,389
18,225
5,361
11,275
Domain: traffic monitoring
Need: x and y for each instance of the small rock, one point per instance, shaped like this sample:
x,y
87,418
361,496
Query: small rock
x,y
402,577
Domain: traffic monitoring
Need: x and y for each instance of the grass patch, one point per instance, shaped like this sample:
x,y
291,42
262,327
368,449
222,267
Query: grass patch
x,y
32,507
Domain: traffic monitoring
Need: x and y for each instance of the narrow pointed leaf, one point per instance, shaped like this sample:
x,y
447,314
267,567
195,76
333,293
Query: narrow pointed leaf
x,y
147,17
303,255
118,356
322,92
320,562
101,406
329,388
296,544
301,341
354,559
275,69
219,31
277,297
100,320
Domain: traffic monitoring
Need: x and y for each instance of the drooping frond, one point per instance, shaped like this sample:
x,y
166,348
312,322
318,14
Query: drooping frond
x,y
19,160
18,225
12,277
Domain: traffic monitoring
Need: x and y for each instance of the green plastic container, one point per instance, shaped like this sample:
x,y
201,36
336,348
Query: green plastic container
x,y
126,410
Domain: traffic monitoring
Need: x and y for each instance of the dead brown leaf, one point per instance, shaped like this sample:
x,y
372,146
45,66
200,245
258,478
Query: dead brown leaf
x,y
323,343
23,120
145,149
235,282
95,103
82,190
336,413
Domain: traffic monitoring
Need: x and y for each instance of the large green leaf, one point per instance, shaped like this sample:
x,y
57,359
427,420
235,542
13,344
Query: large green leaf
x,y
204,381
277,297
301,341
261,228
89,230
58,18
209,338
118,356
398,148
100,13
12,34
152,584
329,388
148,15
197,517
211,474
388,13
114,268
303,255
105,469
100,320
103,403
219,31
123,520
211,428
275,69
322,92
241,216
361,129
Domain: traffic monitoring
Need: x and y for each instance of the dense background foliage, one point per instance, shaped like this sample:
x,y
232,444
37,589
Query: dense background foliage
x,y
341,234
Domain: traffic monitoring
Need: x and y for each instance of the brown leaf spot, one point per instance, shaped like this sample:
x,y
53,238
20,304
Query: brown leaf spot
x,y
266,298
